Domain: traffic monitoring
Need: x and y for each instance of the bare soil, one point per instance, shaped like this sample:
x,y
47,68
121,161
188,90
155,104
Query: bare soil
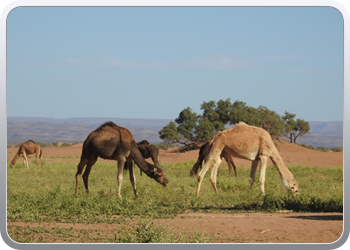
x,y
280,227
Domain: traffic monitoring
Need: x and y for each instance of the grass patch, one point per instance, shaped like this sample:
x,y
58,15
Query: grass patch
x,y
48,195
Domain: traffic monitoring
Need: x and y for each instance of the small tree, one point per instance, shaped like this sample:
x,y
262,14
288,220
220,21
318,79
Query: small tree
x,y
169,133
184,133
295,129
187,122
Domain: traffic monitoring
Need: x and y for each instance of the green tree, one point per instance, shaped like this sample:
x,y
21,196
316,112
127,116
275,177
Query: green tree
x,y
223,110
295,129
187,122
182,130
205,130
271,121
302,127
240,112
190,127
169,133
210,112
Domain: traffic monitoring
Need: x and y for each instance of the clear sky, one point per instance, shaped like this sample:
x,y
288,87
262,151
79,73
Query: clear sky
x,y
153,62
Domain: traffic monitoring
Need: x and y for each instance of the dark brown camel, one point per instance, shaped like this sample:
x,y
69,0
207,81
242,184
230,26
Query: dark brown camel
x,y
113,142
147,150
28,148
203,156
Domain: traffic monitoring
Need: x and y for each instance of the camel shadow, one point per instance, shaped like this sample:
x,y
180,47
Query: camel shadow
x,y
335,217
317,217
235,208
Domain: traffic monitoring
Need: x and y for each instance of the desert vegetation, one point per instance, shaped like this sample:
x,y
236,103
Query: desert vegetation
x,y
47,196
190,127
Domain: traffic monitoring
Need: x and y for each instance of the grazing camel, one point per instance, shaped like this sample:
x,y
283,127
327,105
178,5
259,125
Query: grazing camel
x,y
203,156
247,142
113,142
148,151
28,148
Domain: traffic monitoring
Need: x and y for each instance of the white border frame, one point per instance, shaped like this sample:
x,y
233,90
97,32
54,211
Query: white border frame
x,y
237,3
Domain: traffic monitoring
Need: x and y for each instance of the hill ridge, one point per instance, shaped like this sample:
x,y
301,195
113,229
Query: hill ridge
x,y
48,130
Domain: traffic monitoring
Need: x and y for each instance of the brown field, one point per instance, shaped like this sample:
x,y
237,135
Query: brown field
x,y
283,227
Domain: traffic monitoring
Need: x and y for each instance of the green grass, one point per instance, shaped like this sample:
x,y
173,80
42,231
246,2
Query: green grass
x,y
48,195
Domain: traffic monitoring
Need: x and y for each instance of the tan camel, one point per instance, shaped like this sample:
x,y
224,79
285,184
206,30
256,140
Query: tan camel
x,y
113,142
247,142
28,148
203,156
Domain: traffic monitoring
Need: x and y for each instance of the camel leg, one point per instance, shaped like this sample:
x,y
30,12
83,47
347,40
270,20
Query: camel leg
x,y
80,168
201,174
263,164
229,168
41,157
37,158
121,162
91,162
233,166
253,171
131,166
25,161
214,173
228,165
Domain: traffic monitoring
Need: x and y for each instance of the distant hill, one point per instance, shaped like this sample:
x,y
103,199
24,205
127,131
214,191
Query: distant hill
x,y
48,130
324,134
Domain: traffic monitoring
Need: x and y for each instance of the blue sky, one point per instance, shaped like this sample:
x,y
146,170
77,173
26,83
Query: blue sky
x,y
148,62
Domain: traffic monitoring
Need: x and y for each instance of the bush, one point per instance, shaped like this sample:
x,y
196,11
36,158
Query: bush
x,y
164,146
337,149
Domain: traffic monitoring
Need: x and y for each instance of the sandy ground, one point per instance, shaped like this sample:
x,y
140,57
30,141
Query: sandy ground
x,y
280,227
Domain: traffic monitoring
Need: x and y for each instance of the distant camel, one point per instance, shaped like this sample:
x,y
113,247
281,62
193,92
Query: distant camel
x,y
113,142
203,156
28,148
247,142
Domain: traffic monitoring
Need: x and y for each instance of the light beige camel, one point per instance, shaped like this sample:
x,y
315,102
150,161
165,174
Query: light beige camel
x,y
247,142
28,148
113,142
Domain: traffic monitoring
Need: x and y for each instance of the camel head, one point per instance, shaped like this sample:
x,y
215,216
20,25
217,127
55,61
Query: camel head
x,y
293,186
159,176
192,173
195,168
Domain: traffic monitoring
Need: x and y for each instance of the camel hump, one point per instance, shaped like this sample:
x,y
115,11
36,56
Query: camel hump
x,y
144,142
31,141
107,124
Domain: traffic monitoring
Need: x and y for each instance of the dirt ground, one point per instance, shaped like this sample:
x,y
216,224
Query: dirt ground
x,y
280,227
